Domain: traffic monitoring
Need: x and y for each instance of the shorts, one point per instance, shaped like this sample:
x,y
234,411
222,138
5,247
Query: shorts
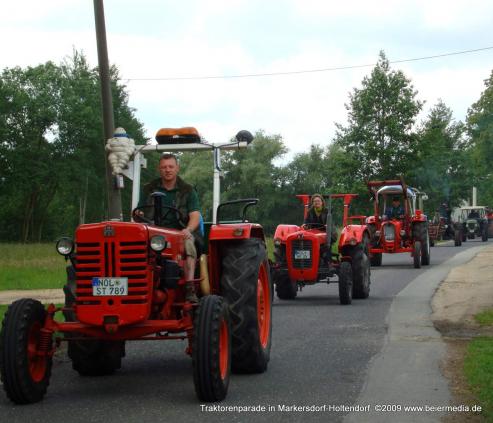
x,y
190,250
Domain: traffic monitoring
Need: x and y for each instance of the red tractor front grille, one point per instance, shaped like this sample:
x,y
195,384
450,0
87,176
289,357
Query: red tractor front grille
x,y
112,259
297,247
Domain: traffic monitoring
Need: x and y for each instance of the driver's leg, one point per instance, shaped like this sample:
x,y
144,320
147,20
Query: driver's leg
x,y
191,259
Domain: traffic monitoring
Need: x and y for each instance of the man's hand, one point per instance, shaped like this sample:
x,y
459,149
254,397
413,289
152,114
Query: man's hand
x,y
186,232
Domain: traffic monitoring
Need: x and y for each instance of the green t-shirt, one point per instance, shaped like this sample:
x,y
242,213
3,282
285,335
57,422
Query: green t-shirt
x,y
171,220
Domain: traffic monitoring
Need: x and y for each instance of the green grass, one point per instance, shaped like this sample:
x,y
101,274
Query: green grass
x,y
31,266
478,368
485,318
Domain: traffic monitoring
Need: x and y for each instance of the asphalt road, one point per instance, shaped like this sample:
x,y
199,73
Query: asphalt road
x,y
320,355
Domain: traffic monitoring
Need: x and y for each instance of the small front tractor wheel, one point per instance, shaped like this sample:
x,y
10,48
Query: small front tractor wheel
x,y
417,254
361,274
25,359
345,283
484,234
376,259
211,350
457,238
464,236
95,357
285,289
246,286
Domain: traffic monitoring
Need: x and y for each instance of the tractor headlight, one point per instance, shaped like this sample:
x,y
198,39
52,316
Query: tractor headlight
x,y
277,242
65,246
158,243
353,241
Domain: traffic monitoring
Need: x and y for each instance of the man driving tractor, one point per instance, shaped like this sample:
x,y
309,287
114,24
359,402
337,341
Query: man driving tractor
x,y
183,196
395,211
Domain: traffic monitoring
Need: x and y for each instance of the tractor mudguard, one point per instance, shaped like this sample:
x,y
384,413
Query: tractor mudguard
x,y
353,235
283,231
231,231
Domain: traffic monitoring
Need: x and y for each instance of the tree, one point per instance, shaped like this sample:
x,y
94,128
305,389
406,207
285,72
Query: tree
x,y
379,136
441,165
51,148
252,173
480,130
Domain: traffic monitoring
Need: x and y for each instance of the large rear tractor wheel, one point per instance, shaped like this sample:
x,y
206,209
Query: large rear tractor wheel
x,y
421,234
417,254
361,274
376,259
246,286
285,289
211,351
24,363
345,283
457,238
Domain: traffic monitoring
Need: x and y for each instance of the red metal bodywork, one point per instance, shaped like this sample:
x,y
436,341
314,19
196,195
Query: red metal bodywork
x,y
402,242
351,235
121,249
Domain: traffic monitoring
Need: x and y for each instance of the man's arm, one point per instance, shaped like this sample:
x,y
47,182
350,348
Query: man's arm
x,y
193,221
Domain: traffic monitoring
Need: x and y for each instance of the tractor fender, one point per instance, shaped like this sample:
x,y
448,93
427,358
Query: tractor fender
x,y
231,231
353,235
283,231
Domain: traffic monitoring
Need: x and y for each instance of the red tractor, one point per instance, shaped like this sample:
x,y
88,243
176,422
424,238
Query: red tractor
x,y
126,282
303,255
404,233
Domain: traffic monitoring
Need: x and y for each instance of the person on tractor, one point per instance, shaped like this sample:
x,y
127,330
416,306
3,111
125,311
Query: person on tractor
x,y
317,213
395,211
316,217
182,196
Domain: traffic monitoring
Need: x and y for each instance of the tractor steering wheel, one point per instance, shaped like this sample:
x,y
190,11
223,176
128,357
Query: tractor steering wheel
x,y
313,226
139,214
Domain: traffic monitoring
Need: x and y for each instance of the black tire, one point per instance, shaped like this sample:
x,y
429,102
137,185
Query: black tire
x,y
345,283
421,234
417,254
285,289
484,235
96,357
464,236
432,242
361,274
457,238
211,350
425,247
92,357
25,375
244,265
376,259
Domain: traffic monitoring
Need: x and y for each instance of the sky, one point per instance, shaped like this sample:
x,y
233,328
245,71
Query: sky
x,y
159,39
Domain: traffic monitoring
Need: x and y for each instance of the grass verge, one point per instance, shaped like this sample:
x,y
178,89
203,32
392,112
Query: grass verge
x,y
478,368
30,266
485,318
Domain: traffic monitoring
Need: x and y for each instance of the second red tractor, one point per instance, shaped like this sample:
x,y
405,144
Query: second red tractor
x,y
303,255
406,233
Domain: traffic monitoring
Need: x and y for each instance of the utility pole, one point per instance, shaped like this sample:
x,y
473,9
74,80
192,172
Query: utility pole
x,y
114,197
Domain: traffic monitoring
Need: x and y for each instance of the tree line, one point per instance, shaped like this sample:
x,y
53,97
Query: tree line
x,y
52,151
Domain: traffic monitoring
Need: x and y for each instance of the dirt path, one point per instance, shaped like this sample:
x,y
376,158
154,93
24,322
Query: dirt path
x,y
44,295
467,290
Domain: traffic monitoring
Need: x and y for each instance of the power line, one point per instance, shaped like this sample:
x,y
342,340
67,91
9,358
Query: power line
x,y
297,72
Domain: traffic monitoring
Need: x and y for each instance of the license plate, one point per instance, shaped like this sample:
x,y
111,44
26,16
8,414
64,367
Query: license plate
x,y
109,286
301,254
